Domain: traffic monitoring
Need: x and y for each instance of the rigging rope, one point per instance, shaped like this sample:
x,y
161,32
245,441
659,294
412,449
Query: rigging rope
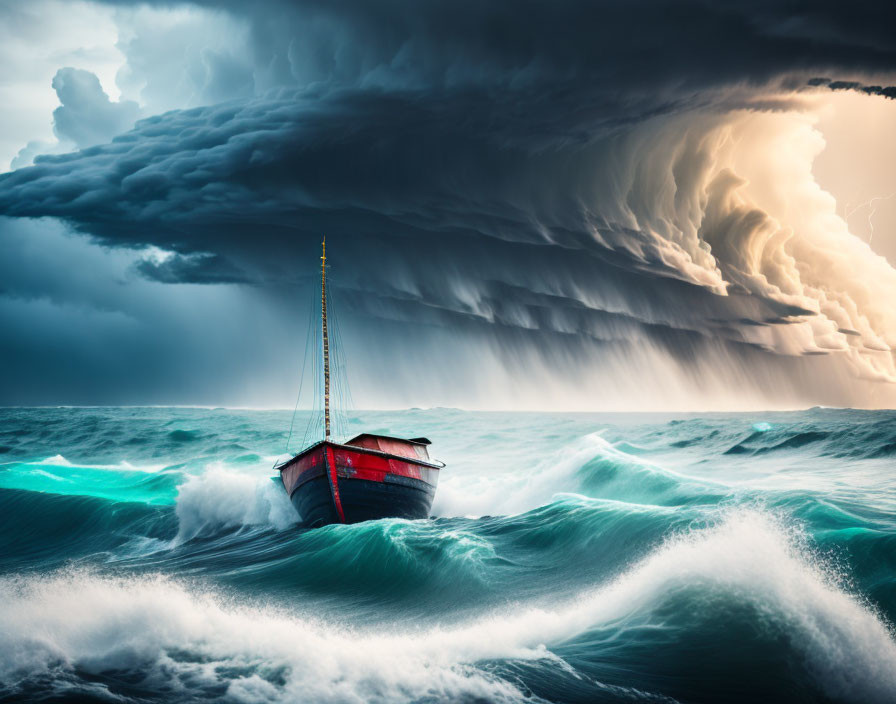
x,y
302,376
341,393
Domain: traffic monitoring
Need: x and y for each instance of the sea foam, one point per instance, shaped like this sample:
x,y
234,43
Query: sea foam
x,y
224,498
581,466
191,641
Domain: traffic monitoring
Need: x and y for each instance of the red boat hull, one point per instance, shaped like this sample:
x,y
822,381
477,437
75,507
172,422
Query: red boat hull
x,y
371,477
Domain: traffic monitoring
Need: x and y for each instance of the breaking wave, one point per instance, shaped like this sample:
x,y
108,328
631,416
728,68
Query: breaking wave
x,y
219,498
195,643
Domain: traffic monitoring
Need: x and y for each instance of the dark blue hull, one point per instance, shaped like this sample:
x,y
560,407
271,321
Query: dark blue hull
x,y
362,500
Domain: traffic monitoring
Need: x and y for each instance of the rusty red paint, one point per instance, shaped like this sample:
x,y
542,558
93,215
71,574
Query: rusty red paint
x,y
355,462
303,469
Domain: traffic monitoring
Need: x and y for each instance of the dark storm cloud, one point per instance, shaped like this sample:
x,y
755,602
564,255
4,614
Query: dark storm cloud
x,y
423,123
406,104
436,196
191,269
631,50
883,91
467,160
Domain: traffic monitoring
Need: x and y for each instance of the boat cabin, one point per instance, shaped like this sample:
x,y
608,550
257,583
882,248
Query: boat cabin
x,y
415,448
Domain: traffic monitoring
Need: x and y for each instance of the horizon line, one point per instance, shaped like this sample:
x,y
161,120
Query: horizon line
x,y
210,407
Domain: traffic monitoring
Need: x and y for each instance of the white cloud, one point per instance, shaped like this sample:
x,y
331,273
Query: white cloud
x,y
37,39
183,57
87,116
159,58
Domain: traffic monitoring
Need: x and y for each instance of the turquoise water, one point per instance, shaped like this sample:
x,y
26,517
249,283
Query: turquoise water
x,y
146,554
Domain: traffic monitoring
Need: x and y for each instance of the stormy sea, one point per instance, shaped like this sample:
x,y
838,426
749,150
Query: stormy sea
x,y
150,554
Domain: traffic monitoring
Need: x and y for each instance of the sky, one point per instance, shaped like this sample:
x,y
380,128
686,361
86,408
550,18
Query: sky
x,y
618,205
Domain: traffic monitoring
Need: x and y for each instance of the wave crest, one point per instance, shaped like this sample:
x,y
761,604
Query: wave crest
x,y
194,642
220,498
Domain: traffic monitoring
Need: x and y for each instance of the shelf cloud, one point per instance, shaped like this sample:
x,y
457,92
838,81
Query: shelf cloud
x,y
593,204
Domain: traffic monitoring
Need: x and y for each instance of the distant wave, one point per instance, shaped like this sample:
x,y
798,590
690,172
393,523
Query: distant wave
x,y
590,465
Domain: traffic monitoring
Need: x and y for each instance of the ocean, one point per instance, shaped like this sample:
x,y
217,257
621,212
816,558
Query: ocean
x,y
151,555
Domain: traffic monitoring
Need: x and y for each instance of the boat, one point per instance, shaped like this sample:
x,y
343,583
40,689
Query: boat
x,y
365,478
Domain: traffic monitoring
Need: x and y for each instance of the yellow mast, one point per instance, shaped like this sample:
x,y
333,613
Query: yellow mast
x,y
323,305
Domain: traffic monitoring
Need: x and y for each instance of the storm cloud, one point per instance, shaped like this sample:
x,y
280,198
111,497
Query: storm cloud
x,y
884,91
587,196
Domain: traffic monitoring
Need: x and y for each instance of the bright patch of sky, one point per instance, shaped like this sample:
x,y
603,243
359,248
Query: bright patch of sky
x,y
36,40
160,58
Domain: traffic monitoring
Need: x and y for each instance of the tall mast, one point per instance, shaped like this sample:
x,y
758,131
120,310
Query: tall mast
x,y
323,306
